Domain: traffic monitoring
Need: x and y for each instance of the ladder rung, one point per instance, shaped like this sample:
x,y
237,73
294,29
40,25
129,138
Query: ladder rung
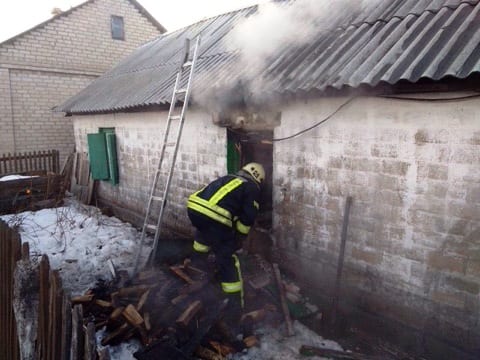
x,y
175,117
171,144
157,198
187,63
181,91
151,227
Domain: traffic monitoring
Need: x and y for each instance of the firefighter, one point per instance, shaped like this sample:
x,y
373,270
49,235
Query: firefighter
x,y
222,213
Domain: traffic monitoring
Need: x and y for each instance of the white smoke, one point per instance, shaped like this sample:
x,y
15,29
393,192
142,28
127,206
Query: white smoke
x,y
277,26
281,24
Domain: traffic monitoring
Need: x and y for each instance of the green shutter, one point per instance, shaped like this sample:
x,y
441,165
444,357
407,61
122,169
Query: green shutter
x,y
112,157
233,157
97,151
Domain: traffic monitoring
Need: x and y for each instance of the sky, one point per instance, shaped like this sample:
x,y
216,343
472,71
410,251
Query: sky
x,y
79,241
17,16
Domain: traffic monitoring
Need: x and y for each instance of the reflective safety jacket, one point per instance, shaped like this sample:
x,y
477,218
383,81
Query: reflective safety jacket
x,y
230,200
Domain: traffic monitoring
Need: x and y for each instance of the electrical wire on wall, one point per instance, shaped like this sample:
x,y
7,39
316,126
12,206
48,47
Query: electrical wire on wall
x,y
457,98
317,124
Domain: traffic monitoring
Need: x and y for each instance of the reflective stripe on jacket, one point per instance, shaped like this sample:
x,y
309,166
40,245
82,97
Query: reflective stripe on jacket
x,y
230,200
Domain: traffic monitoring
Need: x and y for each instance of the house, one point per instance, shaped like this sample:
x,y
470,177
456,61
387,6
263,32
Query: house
x,y
49,63
378,103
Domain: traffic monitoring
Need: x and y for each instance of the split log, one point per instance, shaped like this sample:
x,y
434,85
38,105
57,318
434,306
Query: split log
x,y
177,300
334,354
221,349
254,316
133,291
146,318
250,341
117,335
187,265
116,313
207,354
142,300
179,272
189,313
103,304
132,316
204,327
82,299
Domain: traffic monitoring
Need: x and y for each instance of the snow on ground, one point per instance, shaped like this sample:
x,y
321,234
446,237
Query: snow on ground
x,y
79,241
15,177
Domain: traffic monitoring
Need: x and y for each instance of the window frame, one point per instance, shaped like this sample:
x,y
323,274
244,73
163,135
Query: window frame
x,y
117,29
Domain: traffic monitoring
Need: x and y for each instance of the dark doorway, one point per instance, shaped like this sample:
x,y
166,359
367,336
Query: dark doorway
x,y
254,146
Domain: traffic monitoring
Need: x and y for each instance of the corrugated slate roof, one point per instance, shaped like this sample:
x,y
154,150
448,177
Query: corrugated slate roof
x,y
389,41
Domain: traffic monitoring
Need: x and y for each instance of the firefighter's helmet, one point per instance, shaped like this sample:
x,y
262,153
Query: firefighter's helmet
x,y
256,171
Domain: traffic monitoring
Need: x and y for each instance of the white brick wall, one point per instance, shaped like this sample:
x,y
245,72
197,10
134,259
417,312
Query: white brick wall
x,y
413,170
6,125
139,139
48,65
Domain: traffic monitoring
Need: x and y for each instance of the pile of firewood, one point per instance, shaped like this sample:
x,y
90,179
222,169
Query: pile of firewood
x,y
179,311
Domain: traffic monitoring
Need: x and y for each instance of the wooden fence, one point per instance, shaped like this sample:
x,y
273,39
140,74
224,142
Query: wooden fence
x,y
10,253
19,163
61,333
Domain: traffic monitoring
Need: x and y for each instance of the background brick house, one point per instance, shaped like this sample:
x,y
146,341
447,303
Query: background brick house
x,y
47,64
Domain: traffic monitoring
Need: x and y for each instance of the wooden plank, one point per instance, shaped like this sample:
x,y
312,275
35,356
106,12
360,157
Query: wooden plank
x,y
341,256
66,328
283,301
50,158
77,344
35,159
44,157
90,342
55,315
3,291
42,331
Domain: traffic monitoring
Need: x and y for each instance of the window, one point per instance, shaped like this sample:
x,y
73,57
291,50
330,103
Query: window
x,y
118,31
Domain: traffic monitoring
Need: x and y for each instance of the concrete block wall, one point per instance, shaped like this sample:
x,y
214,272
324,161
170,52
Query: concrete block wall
x,y
6,124
139,139
44,67
34,94
413,170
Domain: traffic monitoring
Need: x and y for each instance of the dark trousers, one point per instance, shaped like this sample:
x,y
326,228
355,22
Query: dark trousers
x,y
221,241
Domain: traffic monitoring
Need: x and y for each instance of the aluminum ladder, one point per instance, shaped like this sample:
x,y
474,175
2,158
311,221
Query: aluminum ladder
x,y
168,155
